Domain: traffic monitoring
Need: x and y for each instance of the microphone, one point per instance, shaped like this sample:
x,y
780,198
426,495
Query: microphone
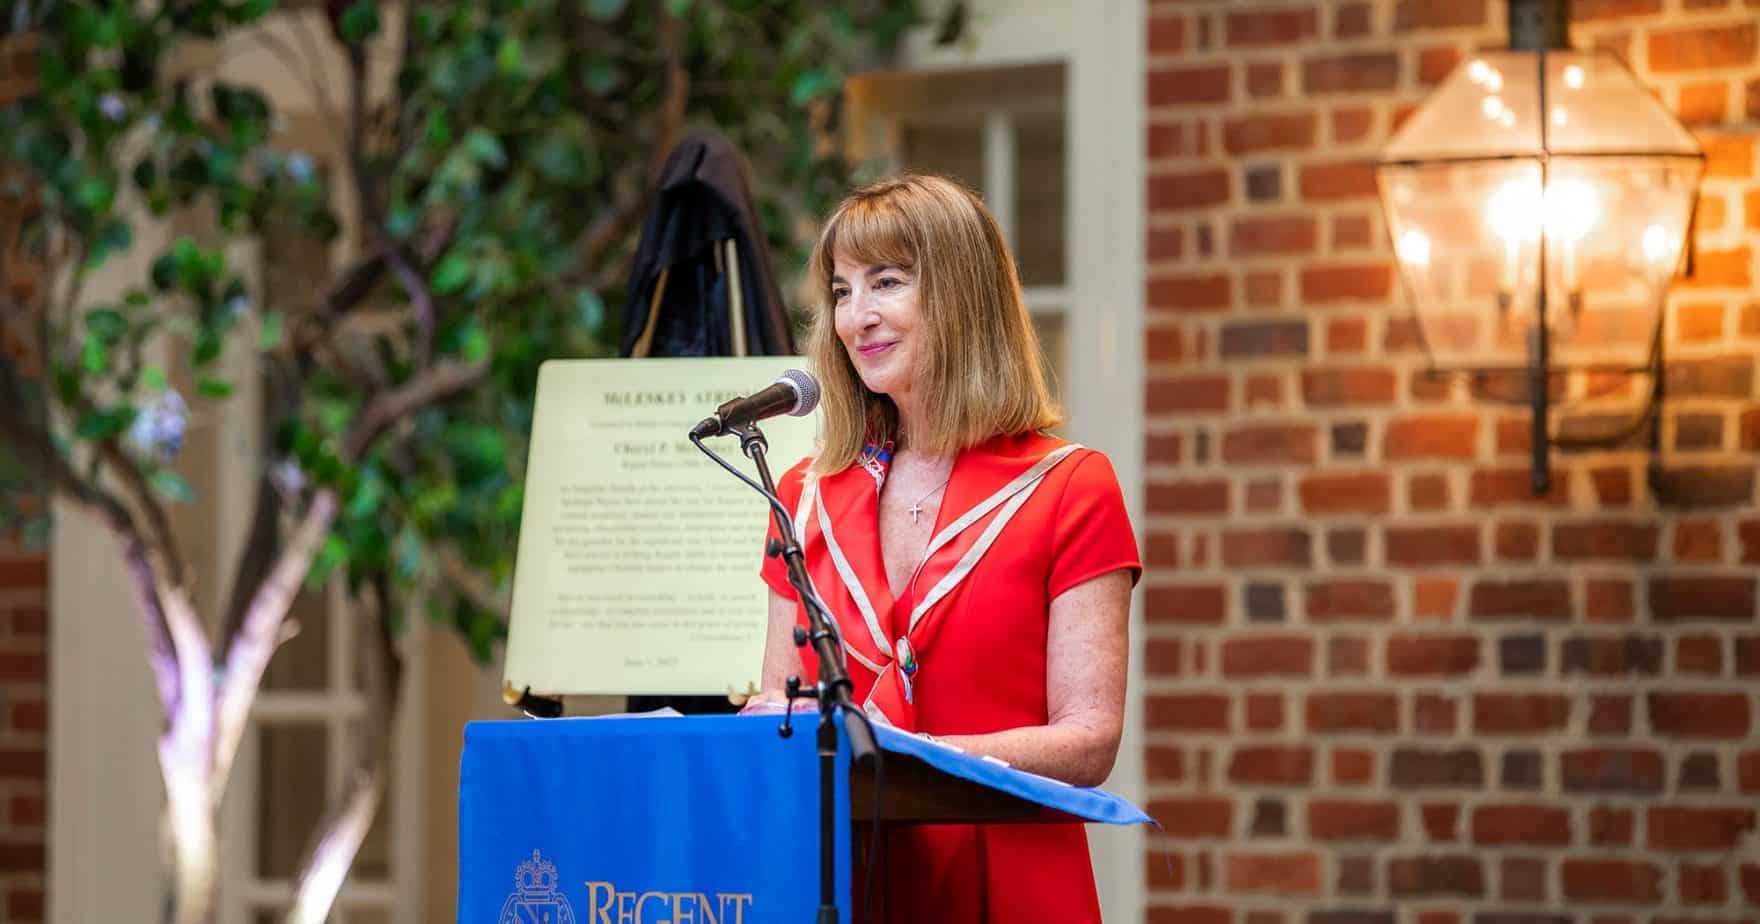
x,y
794,392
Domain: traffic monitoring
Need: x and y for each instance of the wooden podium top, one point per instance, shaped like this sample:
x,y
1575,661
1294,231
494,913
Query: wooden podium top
x,y
916,793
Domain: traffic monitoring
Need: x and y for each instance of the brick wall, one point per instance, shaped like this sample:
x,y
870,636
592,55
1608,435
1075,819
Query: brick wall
x,y
24,596
1386,685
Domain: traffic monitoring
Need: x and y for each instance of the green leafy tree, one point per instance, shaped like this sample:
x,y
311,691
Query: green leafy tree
x,y
491,164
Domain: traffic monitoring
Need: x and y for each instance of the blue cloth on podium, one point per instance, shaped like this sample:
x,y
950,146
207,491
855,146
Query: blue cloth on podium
x,y
695,820
681,820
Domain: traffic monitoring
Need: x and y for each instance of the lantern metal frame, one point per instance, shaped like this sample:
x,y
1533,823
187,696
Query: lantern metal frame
x,y
1541,26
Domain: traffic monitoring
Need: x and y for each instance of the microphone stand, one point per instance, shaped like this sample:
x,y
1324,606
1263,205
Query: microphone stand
x,y
833,688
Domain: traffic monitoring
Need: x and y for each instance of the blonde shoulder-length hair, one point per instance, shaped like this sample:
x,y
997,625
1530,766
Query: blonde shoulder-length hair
x,y
978,371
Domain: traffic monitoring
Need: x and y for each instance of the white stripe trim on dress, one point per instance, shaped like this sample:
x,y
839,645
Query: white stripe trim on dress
x,y
1021,493
809,494
852,584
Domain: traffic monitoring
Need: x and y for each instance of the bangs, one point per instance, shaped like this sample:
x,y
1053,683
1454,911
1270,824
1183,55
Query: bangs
x,y
871,230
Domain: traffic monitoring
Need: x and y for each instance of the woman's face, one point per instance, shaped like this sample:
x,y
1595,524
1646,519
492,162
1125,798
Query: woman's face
x,y
876,317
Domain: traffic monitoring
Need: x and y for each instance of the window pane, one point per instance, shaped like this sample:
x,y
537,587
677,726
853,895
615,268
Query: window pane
x,y
1039,198
374,860
303,662
950,149
367,916
291,787
1051,348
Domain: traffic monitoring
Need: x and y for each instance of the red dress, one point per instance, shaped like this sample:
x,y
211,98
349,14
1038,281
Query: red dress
x,y
1024,518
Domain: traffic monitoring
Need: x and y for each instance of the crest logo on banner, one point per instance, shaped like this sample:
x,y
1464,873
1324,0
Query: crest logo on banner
x,y
535,899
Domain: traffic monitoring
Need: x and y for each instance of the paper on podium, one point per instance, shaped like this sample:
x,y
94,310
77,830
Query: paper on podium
x,y
637,567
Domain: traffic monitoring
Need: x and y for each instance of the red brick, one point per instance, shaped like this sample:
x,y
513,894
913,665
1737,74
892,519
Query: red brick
x,y
1275,235
1698,540
1751,882
1324,284
1194,712
1347,600
1290,131
1274,874
1522,879
1748,655
1346,387
22,764
1194,817
1347,657
1165,244
1264,496
1164,869
1184,86
1347,335
1164,763
1542,599
24,903
1348,712
1188,190
1723,268
1436,877
1433,598
1438,14
1611,770
1434,64
1163,657
1285,656
1508,487
1188,914
1432,655
1340,820
1264,78
1431,545
1441,821
1589,10
1702,885
27,811
1352,767
1608,601
1610,827
1605,540
1189,293
1167,34
1351,73
1203,604
1203,497
1699,654
1264,711
1433,714
24,572
1187,394
1520,713
1271,27
1351,124
1699,715
1517,541
1413,438
1427,491
1272,765
1677,827
1269,546
1623,882
1340,180
1521,825
1358,492
1610,714
1723,45
1352,232
1167,139
1264,289
1712,599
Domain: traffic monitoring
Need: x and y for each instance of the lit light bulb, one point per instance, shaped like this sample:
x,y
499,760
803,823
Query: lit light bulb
x,y
1572,208
1479,72
1573,76
1414,248
1513,215
1492,107
1658,244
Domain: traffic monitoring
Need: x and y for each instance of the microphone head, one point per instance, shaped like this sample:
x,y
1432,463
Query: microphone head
x,y
806,391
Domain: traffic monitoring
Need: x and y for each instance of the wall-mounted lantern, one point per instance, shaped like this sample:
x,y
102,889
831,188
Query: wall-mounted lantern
x,y
1538,203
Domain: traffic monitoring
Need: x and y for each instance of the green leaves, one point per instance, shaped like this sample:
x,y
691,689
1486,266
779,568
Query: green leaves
x,y
606,9
359,22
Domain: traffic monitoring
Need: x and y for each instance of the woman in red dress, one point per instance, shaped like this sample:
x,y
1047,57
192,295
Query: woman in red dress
x,y
979,570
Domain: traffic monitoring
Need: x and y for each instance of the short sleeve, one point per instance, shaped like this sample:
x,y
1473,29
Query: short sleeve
x,y
1092,535
774,571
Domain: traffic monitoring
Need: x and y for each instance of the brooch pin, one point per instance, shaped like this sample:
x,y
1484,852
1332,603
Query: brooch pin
x,y
907,664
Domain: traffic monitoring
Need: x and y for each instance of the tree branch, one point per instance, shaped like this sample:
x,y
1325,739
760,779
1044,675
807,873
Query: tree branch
x,y
471,582
158,524
436,383
249,649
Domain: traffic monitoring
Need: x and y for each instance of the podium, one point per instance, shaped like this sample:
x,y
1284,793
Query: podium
x,y
702,819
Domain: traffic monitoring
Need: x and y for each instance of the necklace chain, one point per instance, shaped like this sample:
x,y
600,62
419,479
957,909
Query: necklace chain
x,y
916,509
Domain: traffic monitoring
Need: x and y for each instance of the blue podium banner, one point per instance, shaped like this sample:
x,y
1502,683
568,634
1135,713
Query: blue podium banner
x,y
676,820
684,820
